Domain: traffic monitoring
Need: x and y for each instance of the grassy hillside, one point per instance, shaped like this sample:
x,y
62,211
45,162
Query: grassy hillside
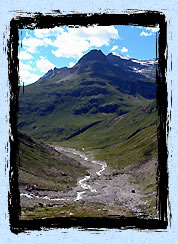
x,y
54,113
95,89
45,168
122,140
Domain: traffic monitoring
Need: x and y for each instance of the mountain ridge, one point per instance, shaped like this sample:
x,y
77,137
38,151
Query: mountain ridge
x,y
99,56
59,106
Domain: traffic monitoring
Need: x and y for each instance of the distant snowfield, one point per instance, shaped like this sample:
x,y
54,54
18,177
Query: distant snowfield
x,y
120,56
144,62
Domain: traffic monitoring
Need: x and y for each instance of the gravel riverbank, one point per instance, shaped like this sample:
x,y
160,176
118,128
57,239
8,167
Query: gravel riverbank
x,y
100,186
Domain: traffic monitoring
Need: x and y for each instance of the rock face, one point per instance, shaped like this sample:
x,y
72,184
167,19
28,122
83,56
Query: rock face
x,y
51,73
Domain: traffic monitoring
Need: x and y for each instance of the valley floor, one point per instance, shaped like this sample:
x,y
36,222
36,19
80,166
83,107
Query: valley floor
x,y
103,192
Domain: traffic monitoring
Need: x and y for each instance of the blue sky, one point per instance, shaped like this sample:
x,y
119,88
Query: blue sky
x,y
44,49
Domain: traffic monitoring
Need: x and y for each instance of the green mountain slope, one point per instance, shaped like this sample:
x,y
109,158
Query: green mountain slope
x,y
94,90
43,167
122,140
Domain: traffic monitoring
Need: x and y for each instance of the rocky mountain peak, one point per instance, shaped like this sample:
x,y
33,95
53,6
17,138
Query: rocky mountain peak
x,y
51,73
94,55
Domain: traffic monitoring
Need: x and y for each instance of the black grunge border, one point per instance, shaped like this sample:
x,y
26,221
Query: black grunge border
x,y
38,20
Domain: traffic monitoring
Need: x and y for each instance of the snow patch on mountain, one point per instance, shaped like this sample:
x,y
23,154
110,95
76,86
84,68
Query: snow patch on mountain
x,y
144,62
120,56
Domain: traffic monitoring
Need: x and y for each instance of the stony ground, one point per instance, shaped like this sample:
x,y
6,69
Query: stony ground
x,y
113,194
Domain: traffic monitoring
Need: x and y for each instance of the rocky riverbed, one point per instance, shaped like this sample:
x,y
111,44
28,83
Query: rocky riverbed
x,y
110,193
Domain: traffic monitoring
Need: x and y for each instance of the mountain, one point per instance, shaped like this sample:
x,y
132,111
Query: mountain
x,y
51,73
88,99
146,68
104,106
126,75
94,89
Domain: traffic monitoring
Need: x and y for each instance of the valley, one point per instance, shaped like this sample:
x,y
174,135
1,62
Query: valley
x,y
88,140
108,193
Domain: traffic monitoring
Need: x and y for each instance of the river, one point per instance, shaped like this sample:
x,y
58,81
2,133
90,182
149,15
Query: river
x,y
82,183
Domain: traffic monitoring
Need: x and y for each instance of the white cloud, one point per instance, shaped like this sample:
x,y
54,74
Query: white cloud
x,y
42,33
23,66
149,31
143,33
70,42
124,50
24,55
76,41
31,44
71,64
28,77
26,74
114,48
48,41
153,29
96,35
44,65
69,45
